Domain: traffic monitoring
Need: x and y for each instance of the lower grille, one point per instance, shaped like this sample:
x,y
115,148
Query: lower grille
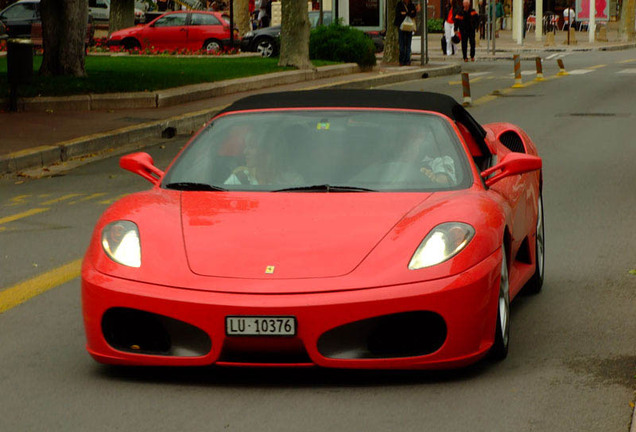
x,y
141,332
406,334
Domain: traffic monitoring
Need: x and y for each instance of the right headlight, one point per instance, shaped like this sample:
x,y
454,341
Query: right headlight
x,y
120,241
442,243
249,34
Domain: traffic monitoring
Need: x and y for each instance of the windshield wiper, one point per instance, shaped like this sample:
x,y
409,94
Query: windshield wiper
x,y
325,188
192,186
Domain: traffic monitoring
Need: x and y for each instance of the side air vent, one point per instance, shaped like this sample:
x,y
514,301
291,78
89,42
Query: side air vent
x,y
513,141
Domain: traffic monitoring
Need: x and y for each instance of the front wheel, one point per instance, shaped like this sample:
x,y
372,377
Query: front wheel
x,y
499,350
265,47
212,46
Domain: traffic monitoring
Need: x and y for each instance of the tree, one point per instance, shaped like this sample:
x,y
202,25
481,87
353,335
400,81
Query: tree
x,y
294,34
242,16
64,36
122,15
391,48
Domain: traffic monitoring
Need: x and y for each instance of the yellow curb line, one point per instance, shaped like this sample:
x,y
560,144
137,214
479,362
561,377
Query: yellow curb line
x,y
20,293
27,213
495,93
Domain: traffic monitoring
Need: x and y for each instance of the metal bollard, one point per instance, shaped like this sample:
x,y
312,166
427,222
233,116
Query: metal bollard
x,y
562,71
539,63
518,81
19,67
466,90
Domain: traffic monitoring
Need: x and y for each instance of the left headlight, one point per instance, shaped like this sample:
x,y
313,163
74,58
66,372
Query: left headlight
x,y
442,243
120,241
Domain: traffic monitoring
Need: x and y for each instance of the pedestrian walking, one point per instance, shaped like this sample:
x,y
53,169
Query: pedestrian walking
x,y
448,12
483,18
466,21
264,13
568,17
499,14
405,14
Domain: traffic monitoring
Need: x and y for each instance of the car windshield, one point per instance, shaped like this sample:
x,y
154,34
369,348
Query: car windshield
x,y
323,151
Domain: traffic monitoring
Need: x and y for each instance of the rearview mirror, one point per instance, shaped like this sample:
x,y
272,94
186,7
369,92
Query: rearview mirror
x,y
142,164
511,164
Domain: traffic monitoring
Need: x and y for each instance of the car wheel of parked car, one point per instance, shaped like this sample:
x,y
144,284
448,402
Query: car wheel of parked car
x,y
265,47
499,350
212,46
131,44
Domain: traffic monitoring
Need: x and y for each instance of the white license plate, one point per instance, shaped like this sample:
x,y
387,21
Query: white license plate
x,y
260,326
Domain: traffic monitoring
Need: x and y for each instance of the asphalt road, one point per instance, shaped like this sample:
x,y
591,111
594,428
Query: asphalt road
x,y
572,362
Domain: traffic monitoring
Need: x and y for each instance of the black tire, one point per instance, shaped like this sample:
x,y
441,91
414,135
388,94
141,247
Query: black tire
x,y
535,284
130,44
265,46
212,46
499,350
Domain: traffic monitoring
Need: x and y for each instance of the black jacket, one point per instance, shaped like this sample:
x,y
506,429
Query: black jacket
x,y
446,9
400,9
466,21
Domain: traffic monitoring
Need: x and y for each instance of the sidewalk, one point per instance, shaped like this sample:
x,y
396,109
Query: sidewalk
x,y
45,137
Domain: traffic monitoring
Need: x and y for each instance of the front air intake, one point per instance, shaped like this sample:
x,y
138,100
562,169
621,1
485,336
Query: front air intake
x,y
407,334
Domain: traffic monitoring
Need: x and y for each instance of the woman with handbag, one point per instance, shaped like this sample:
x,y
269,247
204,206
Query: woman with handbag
x,y
405,13
448,13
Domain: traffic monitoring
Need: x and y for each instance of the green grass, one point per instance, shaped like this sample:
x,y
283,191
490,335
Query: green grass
x,y
112,74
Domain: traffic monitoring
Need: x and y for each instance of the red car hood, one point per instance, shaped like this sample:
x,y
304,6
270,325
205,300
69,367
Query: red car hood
x,y
286,235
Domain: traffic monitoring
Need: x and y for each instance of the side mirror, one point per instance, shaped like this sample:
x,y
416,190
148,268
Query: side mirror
x,y
141,163
511,164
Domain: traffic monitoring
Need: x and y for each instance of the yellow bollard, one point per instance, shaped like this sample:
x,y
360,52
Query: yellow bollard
x,y
518,81
539,63
466,90
562,71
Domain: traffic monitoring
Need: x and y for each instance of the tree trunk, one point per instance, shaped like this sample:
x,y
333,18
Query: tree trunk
x,y
626,28
294,35
391,48
122,15
242,16
64,36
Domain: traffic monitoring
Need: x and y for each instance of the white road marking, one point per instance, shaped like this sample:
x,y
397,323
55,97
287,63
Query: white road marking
x,y
580,71
627,71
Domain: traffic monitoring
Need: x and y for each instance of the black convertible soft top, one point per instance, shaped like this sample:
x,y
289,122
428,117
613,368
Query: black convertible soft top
x,y
350,98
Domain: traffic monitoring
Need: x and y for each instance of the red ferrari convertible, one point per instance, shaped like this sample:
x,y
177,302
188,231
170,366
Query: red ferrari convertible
x,y
346,229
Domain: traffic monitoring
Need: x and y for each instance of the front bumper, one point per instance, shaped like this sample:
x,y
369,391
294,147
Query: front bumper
x,y
246,44
326,322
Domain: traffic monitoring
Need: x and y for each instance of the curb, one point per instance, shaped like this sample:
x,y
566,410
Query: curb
x,y
190,122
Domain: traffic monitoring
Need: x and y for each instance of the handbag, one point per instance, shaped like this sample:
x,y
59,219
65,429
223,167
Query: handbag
x,y
408,25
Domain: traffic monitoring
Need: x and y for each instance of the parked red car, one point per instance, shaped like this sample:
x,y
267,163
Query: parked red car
x,y
192,30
